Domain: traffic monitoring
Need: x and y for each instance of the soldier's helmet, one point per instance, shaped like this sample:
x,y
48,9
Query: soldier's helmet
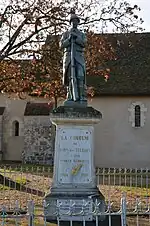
x,y
74,16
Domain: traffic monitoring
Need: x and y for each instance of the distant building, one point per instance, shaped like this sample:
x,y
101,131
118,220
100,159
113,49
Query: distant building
x,y
121,139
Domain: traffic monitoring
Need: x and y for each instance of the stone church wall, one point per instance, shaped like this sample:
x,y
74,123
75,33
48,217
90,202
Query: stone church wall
x,y
38,140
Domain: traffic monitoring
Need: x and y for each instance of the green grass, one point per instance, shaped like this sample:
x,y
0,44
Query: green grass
x,y
2,188
10,174
4,171
21,180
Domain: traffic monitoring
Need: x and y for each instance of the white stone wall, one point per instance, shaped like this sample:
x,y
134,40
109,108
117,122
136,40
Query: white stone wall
x,y
117,142
14,111
38,140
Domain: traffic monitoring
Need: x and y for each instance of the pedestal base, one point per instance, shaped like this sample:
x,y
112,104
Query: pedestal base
x,y
60,204
74,195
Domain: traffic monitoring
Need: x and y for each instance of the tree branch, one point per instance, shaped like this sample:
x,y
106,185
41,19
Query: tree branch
x,y
9,44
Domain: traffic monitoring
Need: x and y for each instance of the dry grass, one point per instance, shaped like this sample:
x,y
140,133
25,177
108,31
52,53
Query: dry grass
x,y
40,222
24,222
132,221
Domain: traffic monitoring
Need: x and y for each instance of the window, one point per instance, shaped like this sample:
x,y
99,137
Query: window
x,y
15,128
137,116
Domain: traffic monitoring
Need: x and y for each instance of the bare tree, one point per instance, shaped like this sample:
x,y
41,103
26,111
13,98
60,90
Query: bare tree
x,y
25,24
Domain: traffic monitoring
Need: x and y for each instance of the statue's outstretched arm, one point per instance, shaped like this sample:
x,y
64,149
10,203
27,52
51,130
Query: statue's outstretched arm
x,y
81,40
65,41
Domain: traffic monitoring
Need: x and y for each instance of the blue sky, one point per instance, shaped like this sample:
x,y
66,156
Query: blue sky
x,y
145,12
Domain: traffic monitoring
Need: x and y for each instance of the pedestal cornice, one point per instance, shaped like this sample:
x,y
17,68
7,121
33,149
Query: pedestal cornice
x,y
73,115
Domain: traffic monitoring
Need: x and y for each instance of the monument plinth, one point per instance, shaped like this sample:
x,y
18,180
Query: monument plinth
x,y
74,172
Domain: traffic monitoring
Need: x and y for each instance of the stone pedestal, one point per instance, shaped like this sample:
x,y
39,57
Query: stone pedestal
x,y
74,182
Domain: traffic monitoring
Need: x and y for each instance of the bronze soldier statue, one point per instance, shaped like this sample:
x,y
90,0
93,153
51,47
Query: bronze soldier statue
x,y
73,42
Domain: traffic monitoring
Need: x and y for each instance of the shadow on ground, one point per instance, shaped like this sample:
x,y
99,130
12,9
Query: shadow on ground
x,y
5,181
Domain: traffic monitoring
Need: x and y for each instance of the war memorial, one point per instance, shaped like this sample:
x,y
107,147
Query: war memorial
x,y
74,180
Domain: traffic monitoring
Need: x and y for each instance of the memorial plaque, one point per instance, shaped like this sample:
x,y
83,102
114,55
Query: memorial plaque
x,y
74,146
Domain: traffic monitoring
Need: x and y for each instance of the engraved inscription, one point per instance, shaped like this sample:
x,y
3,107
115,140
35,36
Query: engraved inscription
x,y
75,147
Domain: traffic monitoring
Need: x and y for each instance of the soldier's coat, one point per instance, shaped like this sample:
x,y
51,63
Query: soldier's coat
x,y
79,45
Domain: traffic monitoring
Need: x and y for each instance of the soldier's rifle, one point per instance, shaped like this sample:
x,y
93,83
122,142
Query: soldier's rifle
x,y
73,75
